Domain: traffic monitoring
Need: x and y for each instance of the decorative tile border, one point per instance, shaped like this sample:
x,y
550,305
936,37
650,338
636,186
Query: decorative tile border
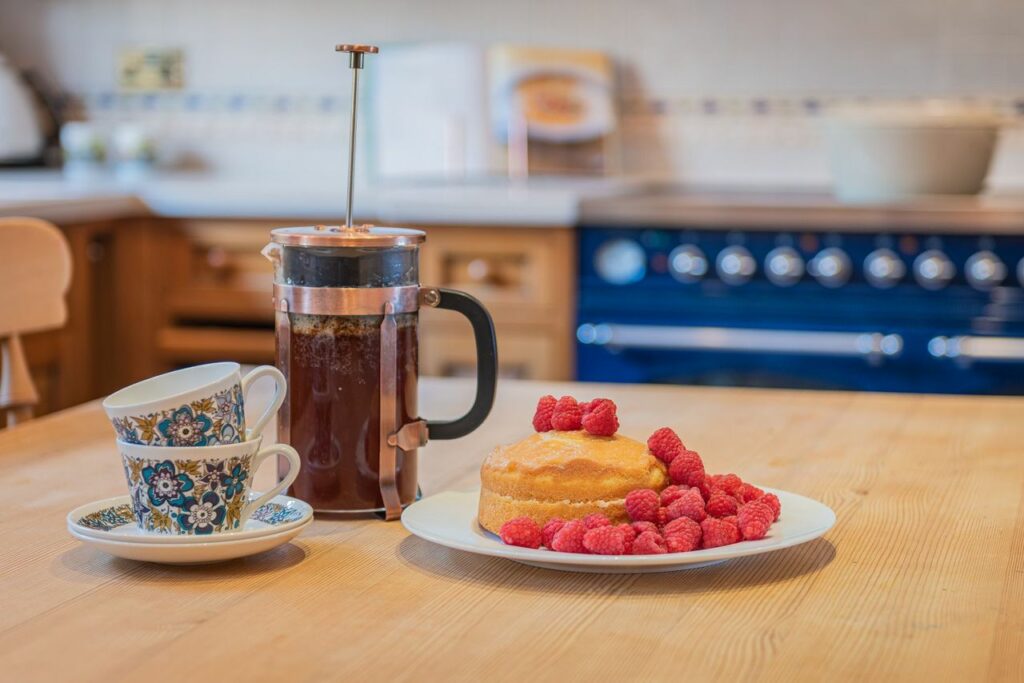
x,y
329,104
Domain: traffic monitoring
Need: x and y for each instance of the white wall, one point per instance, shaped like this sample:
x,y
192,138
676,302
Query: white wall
x,y
673,53
675,47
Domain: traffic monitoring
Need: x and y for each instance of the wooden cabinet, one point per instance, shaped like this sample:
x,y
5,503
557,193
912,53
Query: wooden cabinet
x,y
120,275
526,279
151,294
221,309
524,276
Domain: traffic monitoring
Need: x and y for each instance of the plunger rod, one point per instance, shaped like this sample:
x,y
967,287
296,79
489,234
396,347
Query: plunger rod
x,y
355,62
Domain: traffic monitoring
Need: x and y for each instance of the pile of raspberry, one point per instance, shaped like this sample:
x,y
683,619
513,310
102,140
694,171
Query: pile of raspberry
x,y
698,510
566,414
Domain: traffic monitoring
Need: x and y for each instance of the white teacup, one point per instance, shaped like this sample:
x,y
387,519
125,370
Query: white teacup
x,y
199,406
198,490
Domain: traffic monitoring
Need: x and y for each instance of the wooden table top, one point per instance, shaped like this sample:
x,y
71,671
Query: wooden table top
x,y
922,578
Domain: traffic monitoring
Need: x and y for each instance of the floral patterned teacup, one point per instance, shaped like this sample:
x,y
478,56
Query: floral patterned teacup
x,y
199,406
198,490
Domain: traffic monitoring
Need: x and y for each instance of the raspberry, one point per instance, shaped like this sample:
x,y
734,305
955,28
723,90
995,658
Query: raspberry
x,y
749,492
665,444
567,416
730,483
649,543
569,538
601,420
690,504
671,493
605,540
596,520
628,532
663,517
682,535
547,534
732,519
718,532
590,406
542,415
641,527
642,505
772,501
687,468
706,487
754,518
521,531
721,505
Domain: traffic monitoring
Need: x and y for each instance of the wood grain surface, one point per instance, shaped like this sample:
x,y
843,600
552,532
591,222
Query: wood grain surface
x,y
922,577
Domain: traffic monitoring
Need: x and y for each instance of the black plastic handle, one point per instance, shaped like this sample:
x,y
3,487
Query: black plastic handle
x,y
486,366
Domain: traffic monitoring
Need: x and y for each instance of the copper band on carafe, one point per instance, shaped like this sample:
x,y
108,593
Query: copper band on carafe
x,y
369,301
346,300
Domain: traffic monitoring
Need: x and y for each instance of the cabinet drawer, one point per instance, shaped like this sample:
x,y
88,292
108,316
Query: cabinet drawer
x,y
523,353
190,345
520,274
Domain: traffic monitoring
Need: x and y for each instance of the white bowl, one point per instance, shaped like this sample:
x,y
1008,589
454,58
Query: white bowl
x,y
889,152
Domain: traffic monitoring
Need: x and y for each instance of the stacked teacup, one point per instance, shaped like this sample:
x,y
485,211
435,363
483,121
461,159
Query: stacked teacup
x,y
188,455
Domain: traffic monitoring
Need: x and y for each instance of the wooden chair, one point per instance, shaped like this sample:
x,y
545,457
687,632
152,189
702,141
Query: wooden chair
x,y
35,271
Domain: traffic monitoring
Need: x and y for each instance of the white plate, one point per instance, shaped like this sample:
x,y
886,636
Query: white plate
x,y
111,519
194,549
449,519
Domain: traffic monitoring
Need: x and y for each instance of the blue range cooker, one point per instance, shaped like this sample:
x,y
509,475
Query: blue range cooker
x,y
875,301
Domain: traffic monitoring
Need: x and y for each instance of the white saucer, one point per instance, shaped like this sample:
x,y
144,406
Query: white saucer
x,y
449,519
112,519
103,525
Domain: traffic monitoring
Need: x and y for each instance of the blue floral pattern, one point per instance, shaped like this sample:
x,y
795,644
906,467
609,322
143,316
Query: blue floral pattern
x,y
185,428
164,485
275,513
202,516
188,496
234,481
218,419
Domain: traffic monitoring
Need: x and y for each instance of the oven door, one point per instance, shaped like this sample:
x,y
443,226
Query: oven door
x,y
868,360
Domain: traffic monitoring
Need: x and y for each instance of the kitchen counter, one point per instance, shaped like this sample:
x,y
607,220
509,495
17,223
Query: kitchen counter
x,y
922,578
537,203
999,213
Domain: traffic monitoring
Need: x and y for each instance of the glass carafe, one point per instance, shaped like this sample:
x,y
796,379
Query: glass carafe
x,y
347,306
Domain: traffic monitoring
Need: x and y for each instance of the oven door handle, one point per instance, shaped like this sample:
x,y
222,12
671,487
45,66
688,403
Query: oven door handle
x,y
797,342
967,348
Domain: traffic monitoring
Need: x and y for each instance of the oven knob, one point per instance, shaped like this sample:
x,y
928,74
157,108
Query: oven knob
x,y
933,269
830,267
984,270
883,268
621,262
687,263
735,265
784,266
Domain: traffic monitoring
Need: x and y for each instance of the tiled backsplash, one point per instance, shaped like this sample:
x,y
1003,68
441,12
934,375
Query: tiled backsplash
x,y
710,141
712,92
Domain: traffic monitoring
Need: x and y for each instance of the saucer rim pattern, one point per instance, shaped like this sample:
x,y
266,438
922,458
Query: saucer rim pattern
x,y
273,526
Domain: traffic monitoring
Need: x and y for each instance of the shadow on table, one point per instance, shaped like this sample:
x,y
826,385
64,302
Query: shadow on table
x,y
81,563
743,572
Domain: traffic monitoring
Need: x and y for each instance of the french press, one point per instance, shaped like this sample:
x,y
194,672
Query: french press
x,y
347,301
